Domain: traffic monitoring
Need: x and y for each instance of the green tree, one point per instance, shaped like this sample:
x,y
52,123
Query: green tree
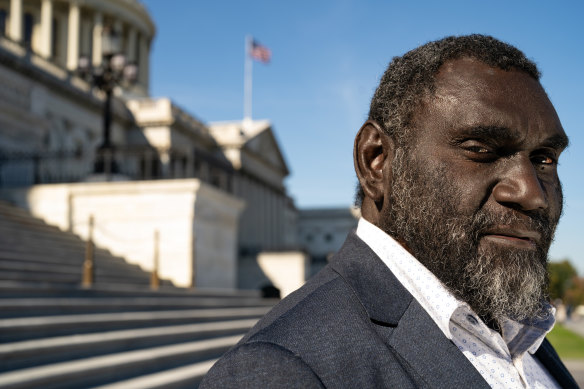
x,y
562,276
575,294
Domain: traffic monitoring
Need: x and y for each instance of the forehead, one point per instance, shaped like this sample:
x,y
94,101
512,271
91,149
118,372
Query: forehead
x,y
469,93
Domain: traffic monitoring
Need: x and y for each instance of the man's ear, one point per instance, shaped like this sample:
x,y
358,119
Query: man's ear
x,y
372,155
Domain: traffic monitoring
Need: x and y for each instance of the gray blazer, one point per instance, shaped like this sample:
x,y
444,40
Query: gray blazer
x,y
353,325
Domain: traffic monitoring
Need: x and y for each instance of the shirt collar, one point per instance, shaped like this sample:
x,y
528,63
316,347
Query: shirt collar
x,y
527,335
426,288
437,300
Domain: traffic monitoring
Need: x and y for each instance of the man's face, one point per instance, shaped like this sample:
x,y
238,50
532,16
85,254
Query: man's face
x,y
475,196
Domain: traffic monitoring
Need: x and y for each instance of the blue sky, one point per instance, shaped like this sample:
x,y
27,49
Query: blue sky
x,y
327,57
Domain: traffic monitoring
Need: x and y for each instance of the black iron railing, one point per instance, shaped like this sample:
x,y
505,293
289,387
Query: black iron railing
x,y
19,169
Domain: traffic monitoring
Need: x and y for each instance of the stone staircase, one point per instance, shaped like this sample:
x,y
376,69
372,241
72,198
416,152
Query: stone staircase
x,y
31,250
116,334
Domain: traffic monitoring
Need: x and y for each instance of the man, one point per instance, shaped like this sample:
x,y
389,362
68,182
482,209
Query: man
x,y
444,282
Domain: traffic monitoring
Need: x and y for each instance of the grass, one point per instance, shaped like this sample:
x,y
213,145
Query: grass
x,y
567,344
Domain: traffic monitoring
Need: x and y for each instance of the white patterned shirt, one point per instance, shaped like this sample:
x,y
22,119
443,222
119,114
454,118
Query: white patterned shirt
x,y
503,361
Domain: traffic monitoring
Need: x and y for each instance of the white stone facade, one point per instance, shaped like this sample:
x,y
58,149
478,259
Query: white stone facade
x,y
46,109
62,31
233,204
253,151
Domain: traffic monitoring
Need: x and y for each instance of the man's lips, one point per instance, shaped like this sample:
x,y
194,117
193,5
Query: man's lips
x,y
515,237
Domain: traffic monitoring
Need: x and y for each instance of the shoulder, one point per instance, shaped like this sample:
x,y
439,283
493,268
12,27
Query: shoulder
x,y
320,336
326,333
271,354
261,364
299,319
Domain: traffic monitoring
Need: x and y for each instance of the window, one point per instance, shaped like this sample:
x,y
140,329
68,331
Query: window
x,y
28,25
197,167
216,177
3,22
55,38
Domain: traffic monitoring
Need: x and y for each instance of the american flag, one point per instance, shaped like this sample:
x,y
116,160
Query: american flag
x,y
259,52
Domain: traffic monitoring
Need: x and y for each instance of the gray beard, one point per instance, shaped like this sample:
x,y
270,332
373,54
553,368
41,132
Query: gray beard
x,y
496,282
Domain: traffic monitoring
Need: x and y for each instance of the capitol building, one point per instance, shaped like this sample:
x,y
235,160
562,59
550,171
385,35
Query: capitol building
x,y
209,196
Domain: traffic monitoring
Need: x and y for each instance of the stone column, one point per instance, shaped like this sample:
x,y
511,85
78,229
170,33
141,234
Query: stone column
x,y
15,26
97,31
73,35
46,44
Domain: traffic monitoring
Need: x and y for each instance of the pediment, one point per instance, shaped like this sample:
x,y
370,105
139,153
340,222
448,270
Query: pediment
x,y
265,147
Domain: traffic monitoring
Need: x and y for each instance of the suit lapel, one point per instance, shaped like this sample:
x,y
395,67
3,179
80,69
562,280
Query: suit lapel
x,y
401,322
548,357
430,354
382,296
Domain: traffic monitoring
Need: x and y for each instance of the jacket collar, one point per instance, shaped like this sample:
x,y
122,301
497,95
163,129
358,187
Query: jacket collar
x,y
381,294
417,339
548,357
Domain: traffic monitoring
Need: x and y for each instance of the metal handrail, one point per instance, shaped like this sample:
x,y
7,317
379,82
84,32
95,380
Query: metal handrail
x,y
18,168
88,266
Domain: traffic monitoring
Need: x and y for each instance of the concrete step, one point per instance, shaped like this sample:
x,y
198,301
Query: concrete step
x,y
52,262
101,269
40,248
17,288
62,305
9,209
57,279
106,369
68,279
28,353
35,244
12,289
35,228
185,377
44,253
118,333
15,213
28,328
14,216
31,250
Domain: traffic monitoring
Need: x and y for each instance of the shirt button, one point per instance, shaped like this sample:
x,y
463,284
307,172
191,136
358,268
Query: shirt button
x,y
472,319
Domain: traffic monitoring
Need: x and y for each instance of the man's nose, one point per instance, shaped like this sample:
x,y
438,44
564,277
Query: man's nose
x,y
520,186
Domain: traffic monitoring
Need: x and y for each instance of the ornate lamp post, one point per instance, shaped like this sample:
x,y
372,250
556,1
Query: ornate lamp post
x,y
113,71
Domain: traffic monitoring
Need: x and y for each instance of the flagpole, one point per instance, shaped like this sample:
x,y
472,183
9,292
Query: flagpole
x,y
247,81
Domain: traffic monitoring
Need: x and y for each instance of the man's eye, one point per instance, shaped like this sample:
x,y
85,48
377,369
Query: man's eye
x,y
543,160
478,149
